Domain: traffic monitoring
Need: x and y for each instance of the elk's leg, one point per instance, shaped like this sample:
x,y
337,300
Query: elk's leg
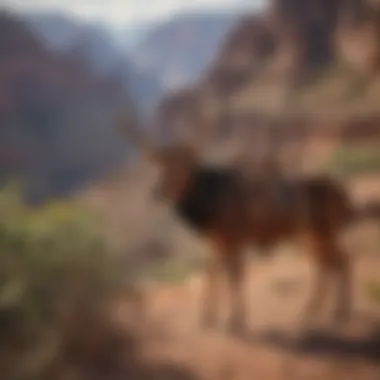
x,y
211,292
318,292
331,261
338,265
343,271
234,265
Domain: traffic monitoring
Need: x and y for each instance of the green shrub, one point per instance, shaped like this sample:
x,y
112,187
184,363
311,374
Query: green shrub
x,y
174,270
351,161
51,259
372,290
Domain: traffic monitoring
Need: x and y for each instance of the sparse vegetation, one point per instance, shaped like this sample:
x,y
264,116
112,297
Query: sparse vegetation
x,y
349,161
175,270
54,268
372,290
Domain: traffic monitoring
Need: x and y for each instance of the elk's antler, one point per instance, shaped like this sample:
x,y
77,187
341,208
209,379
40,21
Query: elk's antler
x,y
136,132
182,118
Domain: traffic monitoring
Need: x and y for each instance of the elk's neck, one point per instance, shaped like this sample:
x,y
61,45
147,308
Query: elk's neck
x,y
201,201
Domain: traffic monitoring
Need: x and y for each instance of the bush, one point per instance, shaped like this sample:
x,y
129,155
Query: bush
x,y
52,260
372,290
351,161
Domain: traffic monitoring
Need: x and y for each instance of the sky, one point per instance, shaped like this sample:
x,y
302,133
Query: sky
x,y
122,12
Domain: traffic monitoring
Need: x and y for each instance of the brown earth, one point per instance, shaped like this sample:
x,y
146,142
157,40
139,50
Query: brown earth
x,y
173,346
277,345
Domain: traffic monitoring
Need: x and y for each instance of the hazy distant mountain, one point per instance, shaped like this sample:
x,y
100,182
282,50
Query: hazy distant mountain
x,y
98,47
130,36
57,116
92,42
58,31
177,51
151,57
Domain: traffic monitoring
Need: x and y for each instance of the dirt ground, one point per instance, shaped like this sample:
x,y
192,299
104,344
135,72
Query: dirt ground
x,y
276,346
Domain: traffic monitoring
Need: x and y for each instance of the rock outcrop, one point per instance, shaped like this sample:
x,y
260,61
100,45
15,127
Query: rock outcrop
x,y
316,57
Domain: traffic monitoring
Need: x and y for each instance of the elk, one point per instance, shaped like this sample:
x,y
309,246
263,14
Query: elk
x,y
233,211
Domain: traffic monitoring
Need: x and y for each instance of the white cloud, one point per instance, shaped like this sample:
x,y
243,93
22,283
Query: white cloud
x,y
120,12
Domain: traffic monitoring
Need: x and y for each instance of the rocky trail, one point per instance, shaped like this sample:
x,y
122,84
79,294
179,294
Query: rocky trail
x,y
276,345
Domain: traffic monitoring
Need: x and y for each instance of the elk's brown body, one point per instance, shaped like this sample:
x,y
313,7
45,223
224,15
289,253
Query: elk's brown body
x,y
255,211
234,211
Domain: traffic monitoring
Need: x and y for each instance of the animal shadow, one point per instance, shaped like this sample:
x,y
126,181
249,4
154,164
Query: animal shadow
x,y
322,343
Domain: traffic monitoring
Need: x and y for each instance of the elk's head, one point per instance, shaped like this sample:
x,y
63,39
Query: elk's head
x,y
176,164
179,123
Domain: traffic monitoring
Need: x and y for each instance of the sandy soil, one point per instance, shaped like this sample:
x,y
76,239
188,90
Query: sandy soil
x,y
276,346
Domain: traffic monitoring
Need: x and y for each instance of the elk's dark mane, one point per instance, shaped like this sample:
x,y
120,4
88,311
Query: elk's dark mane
x,y
200,204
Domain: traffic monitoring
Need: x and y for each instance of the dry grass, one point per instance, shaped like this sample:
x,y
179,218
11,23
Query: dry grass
x,y
372,289
355,161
